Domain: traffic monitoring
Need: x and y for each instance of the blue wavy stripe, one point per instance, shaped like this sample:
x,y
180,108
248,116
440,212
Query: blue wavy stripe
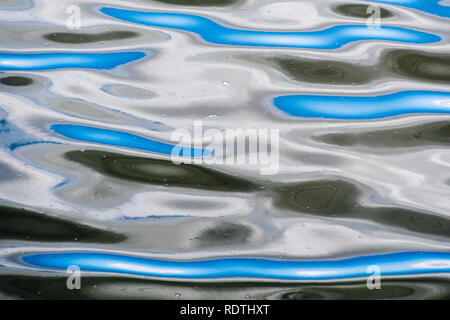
x,y
404,263
14,146
120,139
356,107
210,31
428,6
61,60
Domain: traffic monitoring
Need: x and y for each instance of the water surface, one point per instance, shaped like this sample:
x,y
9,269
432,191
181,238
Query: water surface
x,y
86,177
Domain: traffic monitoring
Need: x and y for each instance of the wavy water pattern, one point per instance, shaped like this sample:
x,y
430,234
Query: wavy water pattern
x,y
122,139
210,31
390,264
350,107
64,60
429,6
92,117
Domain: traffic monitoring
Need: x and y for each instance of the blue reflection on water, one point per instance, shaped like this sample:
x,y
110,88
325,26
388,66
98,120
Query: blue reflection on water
x,y
210,31
60,60
355,107
13,137
429,6
121,139
404,263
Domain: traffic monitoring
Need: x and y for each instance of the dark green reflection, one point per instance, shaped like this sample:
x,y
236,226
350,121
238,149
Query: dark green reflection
x,y
224,234
318,197
200,3
333,199
94,287
16,81
436,133
389,290
408,64
360,11
323,71
339,199
420,65
20,224
69,37
158,172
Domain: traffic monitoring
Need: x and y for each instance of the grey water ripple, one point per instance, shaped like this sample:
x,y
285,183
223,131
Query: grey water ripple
x,y
86,118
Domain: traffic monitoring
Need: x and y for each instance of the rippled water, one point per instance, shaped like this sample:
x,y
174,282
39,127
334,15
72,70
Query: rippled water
x,y
86,177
